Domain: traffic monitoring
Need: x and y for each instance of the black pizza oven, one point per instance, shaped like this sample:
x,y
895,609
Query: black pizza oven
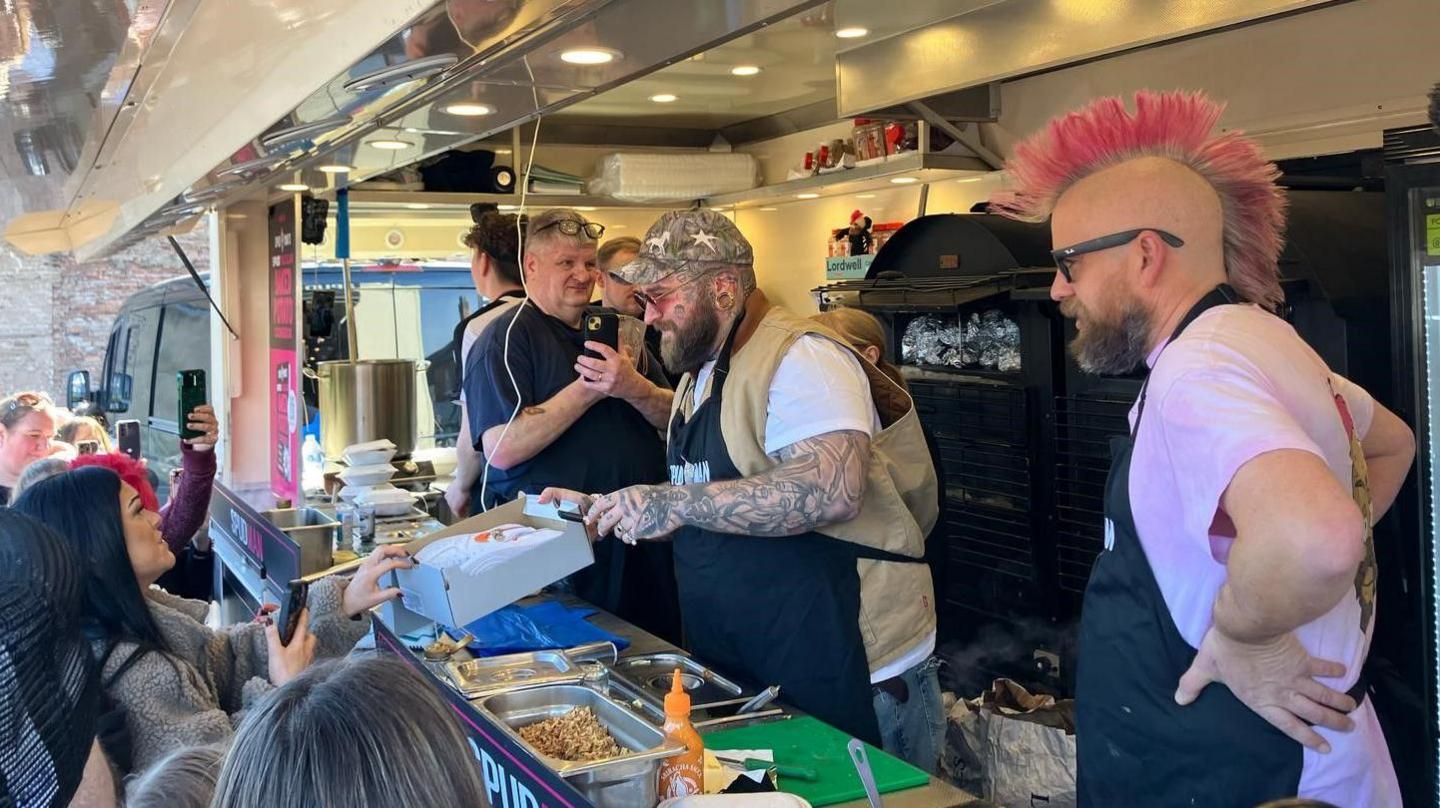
x,y
1023,435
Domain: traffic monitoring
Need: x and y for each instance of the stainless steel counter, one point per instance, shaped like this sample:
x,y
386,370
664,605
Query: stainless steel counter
x,y
937,794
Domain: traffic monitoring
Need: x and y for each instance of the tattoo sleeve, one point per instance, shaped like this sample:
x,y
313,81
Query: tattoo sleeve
x,y
819,481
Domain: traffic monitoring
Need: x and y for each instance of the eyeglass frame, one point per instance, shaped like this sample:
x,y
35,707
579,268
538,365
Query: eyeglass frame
x,y
574,227
1064,255
646,301
32,402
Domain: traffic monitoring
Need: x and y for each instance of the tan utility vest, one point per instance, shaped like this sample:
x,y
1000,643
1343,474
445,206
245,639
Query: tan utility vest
x,y
897,600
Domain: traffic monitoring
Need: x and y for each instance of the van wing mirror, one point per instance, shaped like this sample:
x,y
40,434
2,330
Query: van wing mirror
x,y
119,398
77,389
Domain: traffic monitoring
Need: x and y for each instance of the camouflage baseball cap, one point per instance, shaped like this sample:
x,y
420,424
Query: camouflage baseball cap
x,y
686,240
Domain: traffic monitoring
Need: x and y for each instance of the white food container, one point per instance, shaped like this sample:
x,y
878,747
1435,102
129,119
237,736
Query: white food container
x,y
387,501
367,475
455,598
770,799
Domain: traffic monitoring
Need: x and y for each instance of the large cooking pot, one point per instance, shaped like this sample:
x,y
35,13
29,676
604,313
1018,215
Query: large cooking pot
x,y
367,400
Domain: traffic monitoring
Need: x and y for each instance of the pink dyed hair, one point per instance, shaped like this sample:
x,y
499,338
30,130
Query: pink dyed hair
x,y
1175,125
130,471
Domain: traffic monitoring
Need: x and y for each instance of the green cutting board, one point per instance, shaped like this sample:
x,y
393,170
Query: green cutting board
x,y
813,744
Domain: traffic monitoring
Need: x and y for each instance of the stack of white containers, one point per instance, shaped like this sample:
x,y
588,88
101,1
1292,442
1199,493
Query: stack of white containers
x,y
367,479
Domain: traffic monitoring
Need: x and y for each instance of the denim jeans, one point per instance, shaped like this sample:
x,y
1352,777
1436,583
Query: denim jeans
x,y
914,730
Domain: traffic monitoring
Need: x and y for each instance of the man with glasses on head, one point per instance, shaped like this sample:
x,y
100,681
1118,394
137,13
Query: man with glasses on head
x,y
579,422
1227,620
799,498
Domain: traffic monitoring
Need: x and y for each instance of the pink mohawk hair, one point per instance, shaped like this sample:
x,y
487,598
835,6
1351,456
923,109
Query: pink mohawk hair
x,y
1175,125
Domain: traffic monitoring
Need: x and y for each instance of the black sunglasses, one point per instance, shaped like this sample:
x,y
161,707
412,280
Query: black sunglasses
x,y
573,227
1065,255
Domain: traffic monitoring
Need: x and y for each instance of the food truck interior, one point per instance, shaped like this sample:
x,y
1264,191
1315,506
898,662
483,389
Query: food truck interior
x,y
786,115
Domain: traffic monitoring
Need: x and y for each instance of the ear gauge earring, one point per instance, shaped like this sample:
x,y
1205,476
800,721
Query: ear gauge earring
x,y
725,301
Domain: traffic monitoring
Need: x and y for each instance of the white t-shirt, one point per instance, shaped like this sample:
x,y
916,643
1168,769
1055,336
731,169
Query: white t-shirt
x,y
820,387
475,328
1238,383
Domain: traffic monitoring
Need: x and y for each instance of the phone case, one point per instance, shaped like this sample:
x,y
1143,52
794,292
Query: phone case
x,y
290,614
602,326
127,436
191,384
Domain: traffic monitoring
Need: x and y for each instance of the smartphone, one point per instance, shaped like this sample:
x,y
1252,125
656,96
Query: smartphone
x,y
127,435
88,446
191,384
602,325
289,617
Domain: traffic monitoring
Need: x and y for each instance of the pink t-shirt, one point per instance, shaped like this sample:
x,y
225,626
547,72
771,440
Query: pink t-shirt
x,y
1239,382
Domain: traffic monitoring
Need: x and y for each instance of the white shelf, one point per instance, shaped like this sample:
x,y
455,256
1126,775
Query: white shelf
x,y
923,167
397,201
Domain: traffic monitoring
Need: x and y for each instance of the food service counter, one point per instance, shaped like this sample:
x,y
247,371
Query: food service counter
x,y
515,777
261,548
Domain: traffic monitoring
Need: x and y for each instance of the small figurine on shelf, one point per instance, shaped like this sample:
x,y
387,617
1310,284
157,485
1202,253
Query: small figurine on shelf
x,y
858,234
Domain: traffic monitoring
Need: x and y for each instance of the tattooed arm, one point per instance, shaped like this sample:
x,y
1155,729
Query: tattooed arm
x,y
819,481
537,427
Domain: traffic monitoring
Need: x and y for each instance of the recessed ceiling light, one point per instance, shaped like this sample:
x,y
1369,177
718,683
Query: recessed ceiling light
x,y
417,206
807,196
502,151
296,187
584,207
468,109
864,196
767,209
391,145
744,70
618,227
903,180
852,32
664,98
590,56
508,207
336,168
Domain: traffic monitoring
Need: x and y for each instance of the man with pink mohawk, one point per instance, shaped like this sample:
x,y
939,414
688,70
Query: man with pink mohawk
x,y
1226,623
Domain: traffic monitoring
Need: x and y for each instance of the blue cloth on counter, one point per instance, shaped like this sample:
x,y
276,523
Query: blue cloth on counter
x,y
537,627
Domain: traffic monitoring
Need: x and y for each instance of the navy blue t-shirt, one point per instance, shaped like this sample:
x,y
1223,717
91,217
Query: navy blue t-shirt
x,y
610,447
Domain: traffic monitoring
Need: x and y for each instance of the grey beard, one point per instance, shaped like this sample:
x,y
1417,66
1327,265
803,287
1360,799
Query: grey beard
x,y
1113,349
686,349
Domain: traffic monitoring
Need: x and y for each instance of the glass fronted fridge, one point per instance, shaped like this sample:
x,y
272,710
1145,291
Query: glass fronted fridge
x,y
1408,629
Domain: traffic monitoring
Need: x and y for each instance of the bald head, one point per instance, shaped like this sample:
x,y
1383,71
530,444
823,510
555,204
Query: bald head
x,y
1151,192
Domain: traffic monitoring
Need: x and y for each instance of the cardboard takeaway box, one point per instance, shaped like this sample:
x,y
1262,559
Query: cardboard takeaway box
x,y
454,597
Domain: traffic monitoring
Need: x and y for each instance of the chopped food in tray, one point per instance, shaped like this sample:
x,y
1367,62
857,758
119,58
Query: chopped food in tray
x,y
575,736
474,553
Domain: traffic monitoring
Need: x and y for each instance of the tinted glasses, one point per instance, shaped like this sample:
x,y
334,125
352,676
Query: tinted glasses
x,y
645,300
574,227
1065,255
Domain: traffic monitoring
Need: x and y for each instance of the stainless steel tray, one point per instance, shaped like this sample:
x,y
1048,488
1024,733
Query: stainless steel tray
x,y
489,675
642,742
652,674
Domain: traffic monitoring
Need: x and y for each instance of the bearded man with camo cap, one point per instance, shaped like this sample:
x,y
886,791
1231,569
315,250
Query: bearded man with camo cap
x,y
800,495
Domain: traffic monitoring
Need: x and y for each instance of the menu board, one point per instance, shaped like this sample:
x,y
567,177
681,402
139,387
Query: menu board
x,y
284,352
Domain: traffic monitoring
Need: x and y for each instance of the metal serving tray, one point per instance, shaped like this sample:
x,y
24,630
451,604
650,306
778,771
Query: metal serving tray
x,y
488,675
616,782
652,673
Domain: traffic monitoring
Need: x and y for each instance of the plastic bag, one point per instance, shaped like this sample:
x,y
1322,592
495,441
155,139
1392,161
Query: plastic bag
x,y
538,627
1013,748
671,177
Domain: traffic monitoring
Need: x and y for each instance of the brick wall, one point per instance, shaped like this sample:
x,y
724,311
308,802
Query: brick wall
x,y
56,313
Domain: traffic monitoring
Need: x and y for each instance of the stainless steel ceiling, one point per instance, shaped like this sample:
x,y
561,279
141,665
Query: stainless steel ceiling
x,y
116,110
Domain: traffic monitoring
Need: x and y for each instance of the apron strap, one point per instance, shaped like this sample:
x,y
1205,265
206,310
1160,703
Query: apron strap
x,y
1222,295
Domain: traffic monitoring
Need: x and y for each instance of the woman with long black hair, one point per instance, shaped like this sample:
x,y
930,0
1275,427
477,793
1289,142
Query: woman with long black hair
x,y
180,682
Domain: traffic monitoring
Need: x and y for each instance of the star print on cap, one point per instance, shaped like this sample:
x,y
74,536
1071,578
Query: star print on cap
x,y
687,240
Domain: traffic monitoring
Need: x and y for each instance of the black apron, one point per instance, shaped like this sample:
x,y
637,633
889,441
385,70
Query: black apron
x,y
1134,745
777,611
